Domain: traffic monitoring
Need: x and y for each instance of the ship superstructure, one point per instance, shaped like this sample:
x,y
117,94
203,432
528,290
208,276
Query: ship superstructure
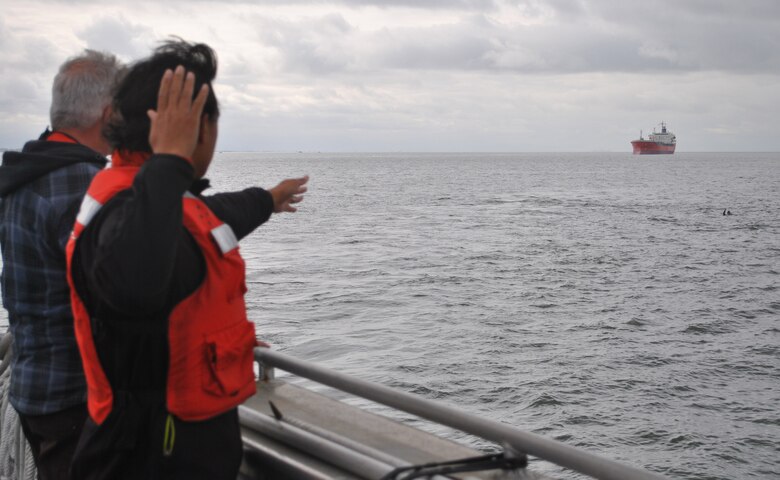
x,y
663,142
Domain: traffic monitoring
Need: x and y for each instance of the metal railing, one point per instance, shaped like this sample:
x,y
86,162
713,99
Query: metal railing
x,y
558,453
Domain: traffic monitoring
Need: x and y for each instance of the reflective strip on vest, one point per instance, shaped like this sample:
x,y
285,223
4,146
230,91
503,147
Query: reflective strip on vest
x,y
89,207
223,234
225,238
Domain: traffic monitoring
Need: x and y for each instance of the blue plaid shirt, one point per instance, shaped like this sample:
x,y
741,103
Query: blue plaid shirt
x,y
35,222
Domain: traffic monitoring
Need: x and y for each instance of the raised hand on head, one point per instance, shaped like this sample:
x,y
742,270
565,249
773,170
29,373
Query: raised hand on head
x,y
176,122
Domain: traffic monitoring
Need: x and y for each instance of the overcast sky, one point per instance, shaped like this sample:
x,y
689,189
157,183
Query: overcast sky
x,y
433,75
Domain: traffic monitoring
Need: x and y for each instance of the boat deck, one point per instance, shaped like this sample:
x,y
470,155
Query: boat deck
x,y
334,420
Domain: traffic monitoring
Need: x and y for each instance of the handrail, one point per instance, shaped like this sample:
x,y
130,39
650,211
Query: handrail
x,y
566,456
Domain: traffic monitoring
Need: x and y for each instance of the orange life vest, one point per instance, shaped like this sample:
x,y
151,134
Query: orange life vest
x,y
209,337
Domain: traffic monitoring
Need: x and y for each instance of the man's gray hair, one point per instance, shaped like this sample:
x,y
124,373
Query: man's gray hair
x,y
83,89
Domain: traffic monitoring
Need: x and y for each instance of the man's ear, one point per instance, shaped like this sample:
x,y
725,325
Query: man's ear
x,y
108,110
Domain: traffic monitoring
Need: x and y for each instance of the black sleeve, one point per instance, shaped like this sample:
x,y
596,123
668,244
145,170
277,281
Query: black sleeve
x,y
243,211
128,251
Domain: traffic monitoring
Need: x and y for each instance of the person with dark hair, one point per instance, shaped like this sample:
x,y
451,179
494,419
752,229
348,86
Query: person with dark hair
x,y
158,283
41,189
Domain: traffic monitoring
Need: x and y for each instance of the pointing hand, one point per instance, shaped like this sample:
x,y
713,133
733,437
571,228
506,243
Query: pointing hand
x,y
288,192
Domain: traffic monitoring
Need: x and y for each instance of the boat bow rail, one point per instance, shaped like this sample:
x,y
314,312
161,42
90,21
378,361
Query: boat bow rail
x,y
365,461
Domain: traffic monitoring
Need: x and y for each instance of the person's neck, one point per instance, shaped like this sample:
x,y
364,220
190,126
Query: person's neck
x,y
91,137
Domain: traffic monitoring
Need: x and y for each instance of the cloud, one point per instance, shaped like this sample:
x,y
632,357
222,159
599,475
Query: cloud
x,y
480,5
425,4
697,35
27,63
3,33
527,36
386,4
26,53
118,36
557,36
452,111
428,75
309,45
476,44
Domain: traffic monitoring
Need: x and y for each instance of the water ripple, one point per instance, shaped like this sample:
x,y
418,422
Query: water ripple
x,y
600,299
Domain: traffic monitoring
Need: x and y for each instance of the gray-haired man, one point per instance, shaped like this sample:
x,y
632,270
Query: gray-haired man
x,y
41,189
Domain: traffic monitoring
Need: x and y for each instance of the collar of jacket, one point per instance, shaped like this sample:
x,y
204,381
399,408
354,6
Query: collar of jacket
x,y
126,158
61,137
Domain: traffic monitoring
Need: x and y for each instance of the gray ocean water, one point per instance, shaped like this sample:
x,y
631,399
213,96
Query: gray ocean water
x,y
600,299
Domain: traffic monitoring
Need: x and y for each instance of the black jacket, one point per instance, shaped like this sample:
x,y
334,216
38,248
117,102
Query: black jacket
x,y
41,189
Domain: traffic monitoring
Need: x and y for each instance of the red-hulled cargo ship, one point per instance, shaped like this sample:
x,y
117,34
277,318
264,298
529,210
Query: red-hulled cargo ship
x,y
658,142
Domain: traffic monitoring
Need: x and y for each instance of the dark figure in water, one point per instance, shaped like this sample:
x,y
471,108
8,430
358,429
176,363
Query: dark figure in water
x,y
726,212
